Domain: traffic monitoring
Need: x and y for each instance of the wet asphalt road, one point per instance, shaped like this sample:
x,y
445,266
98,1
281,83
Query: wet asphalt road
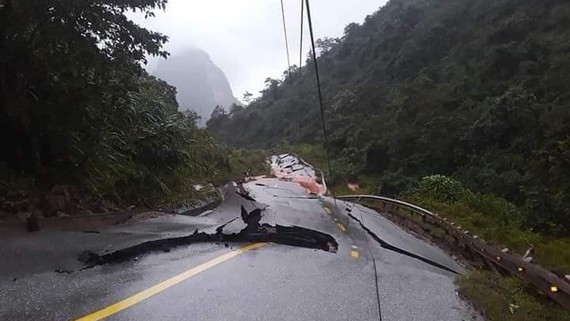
x,y
273,282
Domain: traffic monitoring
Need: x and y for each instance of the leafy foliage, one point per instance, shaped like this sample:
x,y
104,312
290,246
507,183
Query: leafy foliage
x,y
442,188
507,298
78,108
467,88
67,64
492,218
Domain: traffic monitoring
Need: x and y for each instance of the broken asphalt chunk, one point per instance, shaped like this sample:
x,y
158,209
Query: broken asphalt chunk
x,y
253,232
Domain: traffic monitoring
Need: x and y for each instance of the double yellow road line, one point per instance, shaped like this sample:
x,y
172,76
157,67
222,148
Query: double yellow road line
x,y
145,294
354,252
339,225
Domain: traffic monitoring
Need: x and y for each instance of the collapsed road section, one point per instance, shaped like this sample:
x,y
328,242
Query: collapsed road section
x,y
292,167
252,231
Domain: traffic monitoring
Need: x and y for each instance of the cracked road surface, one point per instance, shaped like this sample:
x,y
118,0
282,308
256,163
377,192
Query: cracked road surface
x,y
363,280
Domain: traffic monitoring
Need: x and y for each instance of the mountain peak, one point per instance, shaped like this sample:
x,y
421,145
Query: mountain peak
x,y
200,83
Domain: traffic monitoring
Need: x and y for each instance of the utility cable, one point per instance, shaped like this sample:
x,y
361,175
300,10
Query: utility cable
x,y
298,115
326,141
325,133
286,41
301,39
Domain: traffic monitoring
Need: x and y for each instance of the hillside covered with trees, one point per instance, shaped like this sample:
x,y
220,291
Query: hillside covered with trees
x,y
474,89
79,116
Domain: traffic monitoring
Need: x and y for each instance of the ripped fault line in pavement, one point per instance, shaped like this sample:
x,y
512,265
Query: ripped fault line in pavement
x,y
253,232
393,248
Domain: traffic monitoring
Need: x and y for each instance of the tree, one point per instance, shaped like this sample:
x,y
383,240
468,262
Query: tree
x,y
247,97
235,109
271,84
191,117
461,89
325,45
60,60
350,29
76,107
218,112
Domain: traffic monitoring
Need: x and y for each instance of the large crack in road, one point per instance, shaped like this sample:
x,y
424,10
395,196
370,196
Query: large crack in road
x,y
396,249
253,232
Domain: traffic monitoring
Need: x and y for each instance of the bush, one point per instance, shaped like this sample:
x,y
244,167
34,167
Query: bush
x,y
392,184
507,299
554,255
496,221
442,188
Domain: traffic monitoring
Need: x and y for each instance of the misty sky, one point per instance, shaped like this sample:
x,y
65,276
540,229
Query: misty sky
x,y
245,37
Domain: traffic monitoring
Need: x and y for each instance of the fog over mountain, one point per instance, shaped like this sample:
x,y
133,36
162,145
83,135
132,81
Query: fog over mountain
x,y
201,85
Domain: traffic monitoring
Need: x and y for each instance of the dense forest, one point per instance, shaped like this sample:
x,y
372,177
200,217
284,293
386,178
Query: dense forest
x,y
79,114
460,106
473,89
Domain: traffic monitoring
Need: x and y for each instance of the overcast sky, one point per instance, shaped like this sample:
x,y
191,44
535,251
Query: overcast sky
x,y
245,37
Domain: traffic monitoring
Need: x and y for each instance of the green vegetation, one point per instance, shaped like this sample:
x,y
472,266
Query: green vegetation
x,y
507,299
239,162
488,216
462,107
498,222
491,218
77,108
470,89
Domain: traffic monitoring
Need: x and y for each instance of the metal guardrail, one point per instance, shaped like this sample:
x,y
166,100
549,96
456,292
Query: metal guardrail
x,y
543,280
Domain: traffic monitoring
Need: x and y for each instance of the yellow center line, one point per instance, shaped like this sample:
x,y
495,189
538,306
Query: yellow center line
x,y
341,227
145,294
327,210
355,254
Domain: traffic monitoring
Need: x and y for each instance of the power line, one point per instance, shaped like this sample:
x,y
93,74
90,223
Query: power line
x,y
298,115
286,41
325,134
301,38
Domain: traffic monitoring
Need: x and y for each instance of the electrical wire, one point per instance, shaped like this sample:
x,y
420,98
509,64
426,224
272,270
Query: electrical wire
x,y
298,115
301,39
325,133
286,41
326,142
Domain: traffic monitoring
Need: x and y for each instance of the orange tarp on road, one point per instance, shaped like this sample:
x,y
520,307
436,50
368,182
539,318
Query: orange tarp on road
x,y
308,182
